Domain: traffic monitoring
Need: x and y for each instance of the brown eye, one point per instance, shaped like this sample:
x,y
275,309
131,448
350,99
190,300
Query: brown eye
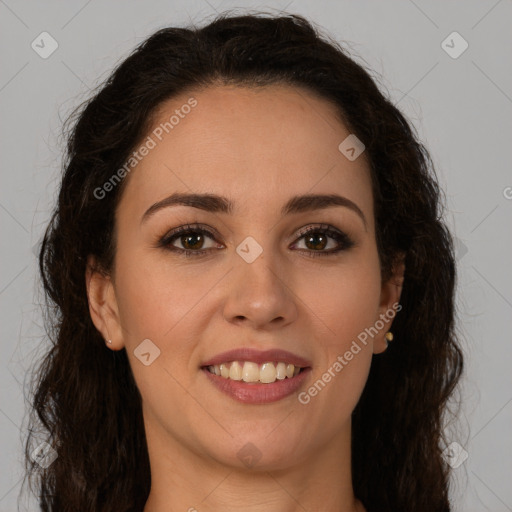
x,y
193,241
189,240
317,239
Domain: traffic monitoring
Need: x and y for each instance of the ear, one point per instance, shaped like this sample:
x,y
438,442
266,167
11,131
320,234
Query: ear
x,y
103,304
389,298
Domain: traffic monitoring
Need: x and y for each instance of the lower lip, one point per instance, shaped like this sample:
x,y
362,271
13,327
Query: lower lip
x,y
253,393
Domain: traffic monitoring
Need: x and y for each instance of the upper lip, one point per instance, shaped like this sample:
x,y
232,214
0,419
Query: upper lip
x,y
258,356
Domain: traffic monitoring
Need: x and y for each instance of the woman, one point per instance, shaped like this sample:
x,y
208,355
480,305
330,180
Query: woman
x,y
251,287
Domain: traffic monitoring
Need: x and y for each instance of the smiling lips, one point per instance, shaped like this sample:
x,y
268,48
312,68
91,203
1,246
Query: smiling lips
x,y
253,376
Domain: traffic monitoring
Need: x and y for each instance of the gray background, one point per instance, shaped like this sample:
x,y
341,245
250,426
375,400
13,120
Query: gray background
x,y
461,108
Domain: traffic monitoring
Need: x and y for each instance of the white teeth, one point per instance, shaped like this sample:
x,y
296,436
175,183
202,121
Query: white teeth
x,y
249,371
235,371
224,371
267,373
281,371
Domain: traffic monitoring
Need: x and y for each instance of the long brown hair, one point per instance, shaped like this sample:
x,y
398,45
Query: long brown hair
x,y
85,400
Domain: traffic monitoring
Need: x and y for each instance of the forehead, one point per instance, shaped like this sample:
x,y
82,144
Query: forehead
x,y
259,146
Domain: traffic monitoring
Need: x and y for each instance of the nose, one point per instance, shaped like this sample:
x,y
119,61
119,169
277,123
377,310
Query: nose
x,y
259,296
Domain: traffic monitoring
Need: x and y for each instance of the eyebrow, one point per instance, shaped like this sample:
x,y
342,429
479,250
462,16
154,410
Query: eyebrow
x,y
219,204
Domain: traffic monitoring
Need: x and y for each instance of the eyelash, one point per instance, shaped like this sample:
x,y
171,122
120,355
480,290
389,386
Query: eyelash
x,y
343,240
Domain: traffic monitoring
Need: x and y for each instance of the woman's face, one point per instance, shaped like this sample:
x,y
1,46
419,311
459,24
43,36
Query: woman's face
x,y
256,283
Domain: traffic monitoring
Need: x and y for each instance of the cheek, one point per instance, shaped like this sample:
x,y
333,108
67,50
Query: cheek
x,y
346,303
158,302
154,297
345,297
168,304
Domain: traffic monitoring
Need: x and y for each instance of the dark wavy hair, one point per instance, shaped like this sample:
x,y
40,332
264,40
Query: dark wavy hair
x,y
84,398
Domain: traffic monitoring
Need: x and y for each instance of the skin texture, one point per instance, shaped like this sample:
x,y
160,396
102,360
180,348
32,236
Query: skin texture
x,y
258,147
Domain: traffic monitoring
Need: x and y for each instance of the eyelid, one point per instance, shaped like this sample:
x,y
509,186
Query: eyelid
x,y
340,236
344,240
195,227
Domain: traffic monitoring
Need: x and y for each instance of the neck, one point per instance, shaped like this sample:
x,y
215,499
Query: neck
x,y
182,479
